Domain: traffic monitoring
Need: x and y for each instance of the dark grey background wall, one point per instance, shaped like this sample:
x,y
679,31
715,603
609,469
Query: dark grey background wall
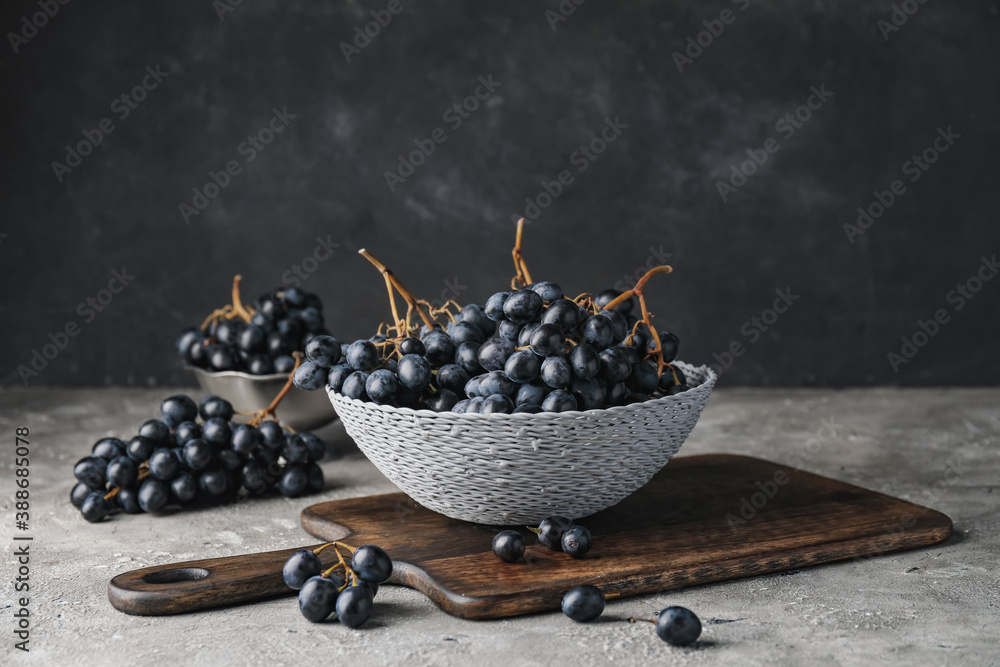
x,y
652,195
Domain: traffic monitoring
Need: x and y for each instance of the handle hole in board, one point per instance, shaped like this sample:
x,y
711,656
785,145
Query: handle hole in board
x,y
176,575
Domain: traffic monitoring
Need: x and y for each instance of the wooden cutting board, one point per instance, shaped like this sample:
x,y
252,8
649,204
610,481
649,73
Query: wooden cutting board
x,y
702,519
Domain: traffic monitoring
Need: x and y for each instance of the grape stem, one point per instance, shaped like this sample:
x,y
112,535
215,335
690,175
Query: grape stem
x,y
412,303
632,619
269,411
231,310
647,317
523,277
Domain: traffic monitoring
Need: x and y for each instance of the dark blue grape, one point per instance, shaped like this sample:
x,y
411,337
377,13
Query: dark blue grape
x,y
670,344
494,306
318,597
251,338
381,386
354,386
678,626
677,389
335,378
524,336
185,431
110,448
559,400
284,363
184,487
295,297
177,409
293,481
259,364
95,507
523,366
463,332
467,356
163,465
509,330
217,432
198,454
589,394
221,359
245,438
79,494
556,372
354,605
473,386
523,306
362,355
508,545
615,366
295,450
497,404
324,351
493,354
254,477
372,563
442,401
412,345
643,379
310,376
531,393
414,372
576,541
549,291
562,313
213,482
615,393
128,500
272,435
618,322
530,408
546,340
229,459
155,430
598,332
475,405
300,567
585,361
314,478
92,471
583,603
226,332
189,337
440,348
315,446
312,319
475,315
458,408
213,407
453,377
496,382
153,495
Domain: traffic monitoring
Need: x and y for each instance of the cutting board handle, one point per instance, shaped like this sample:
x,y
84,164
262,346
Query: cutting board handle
x,y
176,588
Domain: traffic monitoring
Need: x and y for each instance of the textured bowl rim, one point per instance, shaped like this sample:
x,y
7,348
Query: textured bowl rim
x,y
236,374
711,377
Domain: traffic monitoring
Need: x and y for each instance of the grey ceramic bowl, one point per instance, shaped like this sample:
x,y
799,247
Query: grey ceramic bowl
x,y
300,410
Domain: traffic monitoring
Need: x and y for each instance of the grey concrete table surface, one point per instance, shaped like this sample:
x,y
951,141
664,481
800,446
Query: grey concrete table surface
x,y
934,606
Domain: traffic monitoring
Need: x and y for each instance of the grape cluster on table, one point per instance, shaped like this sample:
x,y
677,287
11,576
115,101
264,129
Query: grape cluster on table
x,y
179,461
527,350
283,322
349,594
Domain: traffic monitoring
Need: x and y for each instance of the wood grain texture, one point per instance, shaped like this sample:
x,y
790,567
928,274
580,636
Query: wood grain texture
x,y
683,528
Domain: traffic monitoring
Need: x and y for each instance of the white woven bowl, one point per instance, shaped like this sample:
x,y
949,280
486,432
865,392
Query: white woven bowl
x,y
518,469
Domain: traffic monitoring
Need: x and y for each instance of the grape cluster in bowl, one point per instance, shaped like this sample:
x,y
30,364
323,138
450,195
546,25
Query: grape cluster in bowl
x,y
179,461
260,339
529,349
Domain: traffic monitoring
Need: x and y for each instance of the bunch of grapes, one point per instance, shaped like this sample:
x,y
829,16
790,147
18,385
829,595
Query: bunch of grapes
x,y
349,593
528,349
178,460
259,339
